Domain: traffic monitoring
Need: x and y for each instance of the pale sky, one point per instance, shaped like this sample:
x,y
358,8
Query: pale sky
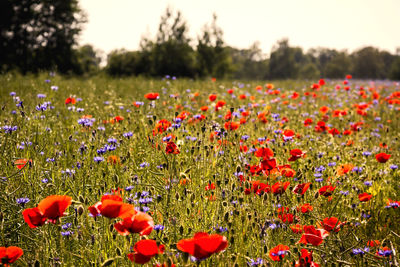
x,y
339,24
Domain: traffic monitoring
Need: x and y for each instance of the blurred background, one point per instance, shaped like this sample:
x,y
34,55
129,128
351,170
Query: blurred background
x,y
249,40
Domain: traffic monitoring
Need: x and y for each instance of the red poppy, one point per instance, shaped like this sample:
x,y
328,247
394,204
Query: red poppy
x,y
20,163
334,131
172,148
348,77
373,243
324,109
307,122
306,259
111,206
210,186
33,217
212,97
151,96
9,255
301,188
117,119
326,190
230,91
264,152
51,208
364,197
288,133
231,125
70,100
313,236
219,105
203,245
144,250
331,224
161,126
297,228
286,217
382,157
279,187
204,108
278,253
140,222
306,208
321,82
295,154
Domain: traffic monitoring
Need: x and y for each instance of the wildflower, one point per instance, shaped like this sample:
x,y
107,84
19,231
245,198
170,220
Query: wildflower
x,y
144,250
313,236
382,157
51,208
10,255
203,245
278,253
139,222
151,96
364,197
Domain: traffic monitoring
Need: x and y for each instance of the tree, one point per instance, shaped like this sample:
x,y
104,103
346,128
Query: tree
x,y
285,61
39,34
172,53
339,65
212,56
88,60
368,63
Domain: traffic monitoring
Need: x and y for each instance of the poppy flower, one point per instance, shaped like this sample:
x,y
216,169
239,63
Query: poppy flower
x,y
313,236
382,157
161,126
297,228
51,208
279,187
326,190
364,197
295,154
334,131
278,253
111,206
321,82
10,255
288,133
268,164
349,77
324,109
286,217
231,125
172,148
373,243
264,152
331,224
301,188
20,163
305,259
308,122
287,171
210,186
144,250
151,96
306,208
33,217
343,169
212,97
219,105
203,245
117,119
140,222
112,159
70,100
204,108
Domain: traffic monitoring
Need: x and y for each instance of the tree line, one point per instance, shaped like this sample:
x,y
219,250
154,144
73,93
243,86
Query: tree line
x,y
41,35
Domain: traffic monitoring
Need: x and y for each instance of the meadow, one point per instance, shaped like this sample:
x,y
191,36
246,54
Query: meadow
x,y
164,172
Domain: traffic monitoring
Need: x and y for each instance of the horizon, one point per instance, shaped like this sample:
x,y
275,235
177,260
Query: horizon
x,y
236,21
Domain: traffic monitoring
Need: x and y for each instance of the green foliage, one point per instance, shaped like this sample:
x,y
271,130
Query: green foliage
x,y
39,34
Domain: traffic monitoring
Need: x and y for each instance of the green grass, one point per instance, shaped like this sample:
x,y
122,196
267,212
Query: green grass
x,y
185,208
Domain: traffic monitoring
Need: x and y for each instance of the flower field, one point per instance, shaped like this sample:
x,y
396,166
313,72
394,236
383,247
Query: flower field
x,y
171,172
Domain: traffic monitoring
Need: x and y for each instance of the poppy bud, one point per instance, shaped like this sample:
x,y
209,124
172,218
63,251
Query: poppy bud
x,y
107,262
80,210
118,251
81,199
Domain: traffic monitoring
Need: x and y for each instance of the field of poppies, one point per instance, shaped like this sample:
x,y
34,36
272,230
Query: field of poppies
x,y
171,172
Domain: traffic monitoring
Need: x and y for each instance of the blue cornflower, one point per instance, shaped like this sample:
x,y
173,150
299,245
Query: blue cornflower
x,y
98,159
66,226
23,200
158,227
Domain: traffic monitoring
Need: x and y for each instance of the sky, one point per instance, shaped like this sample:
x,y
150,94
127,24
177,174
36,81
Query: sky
x,y
338,24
